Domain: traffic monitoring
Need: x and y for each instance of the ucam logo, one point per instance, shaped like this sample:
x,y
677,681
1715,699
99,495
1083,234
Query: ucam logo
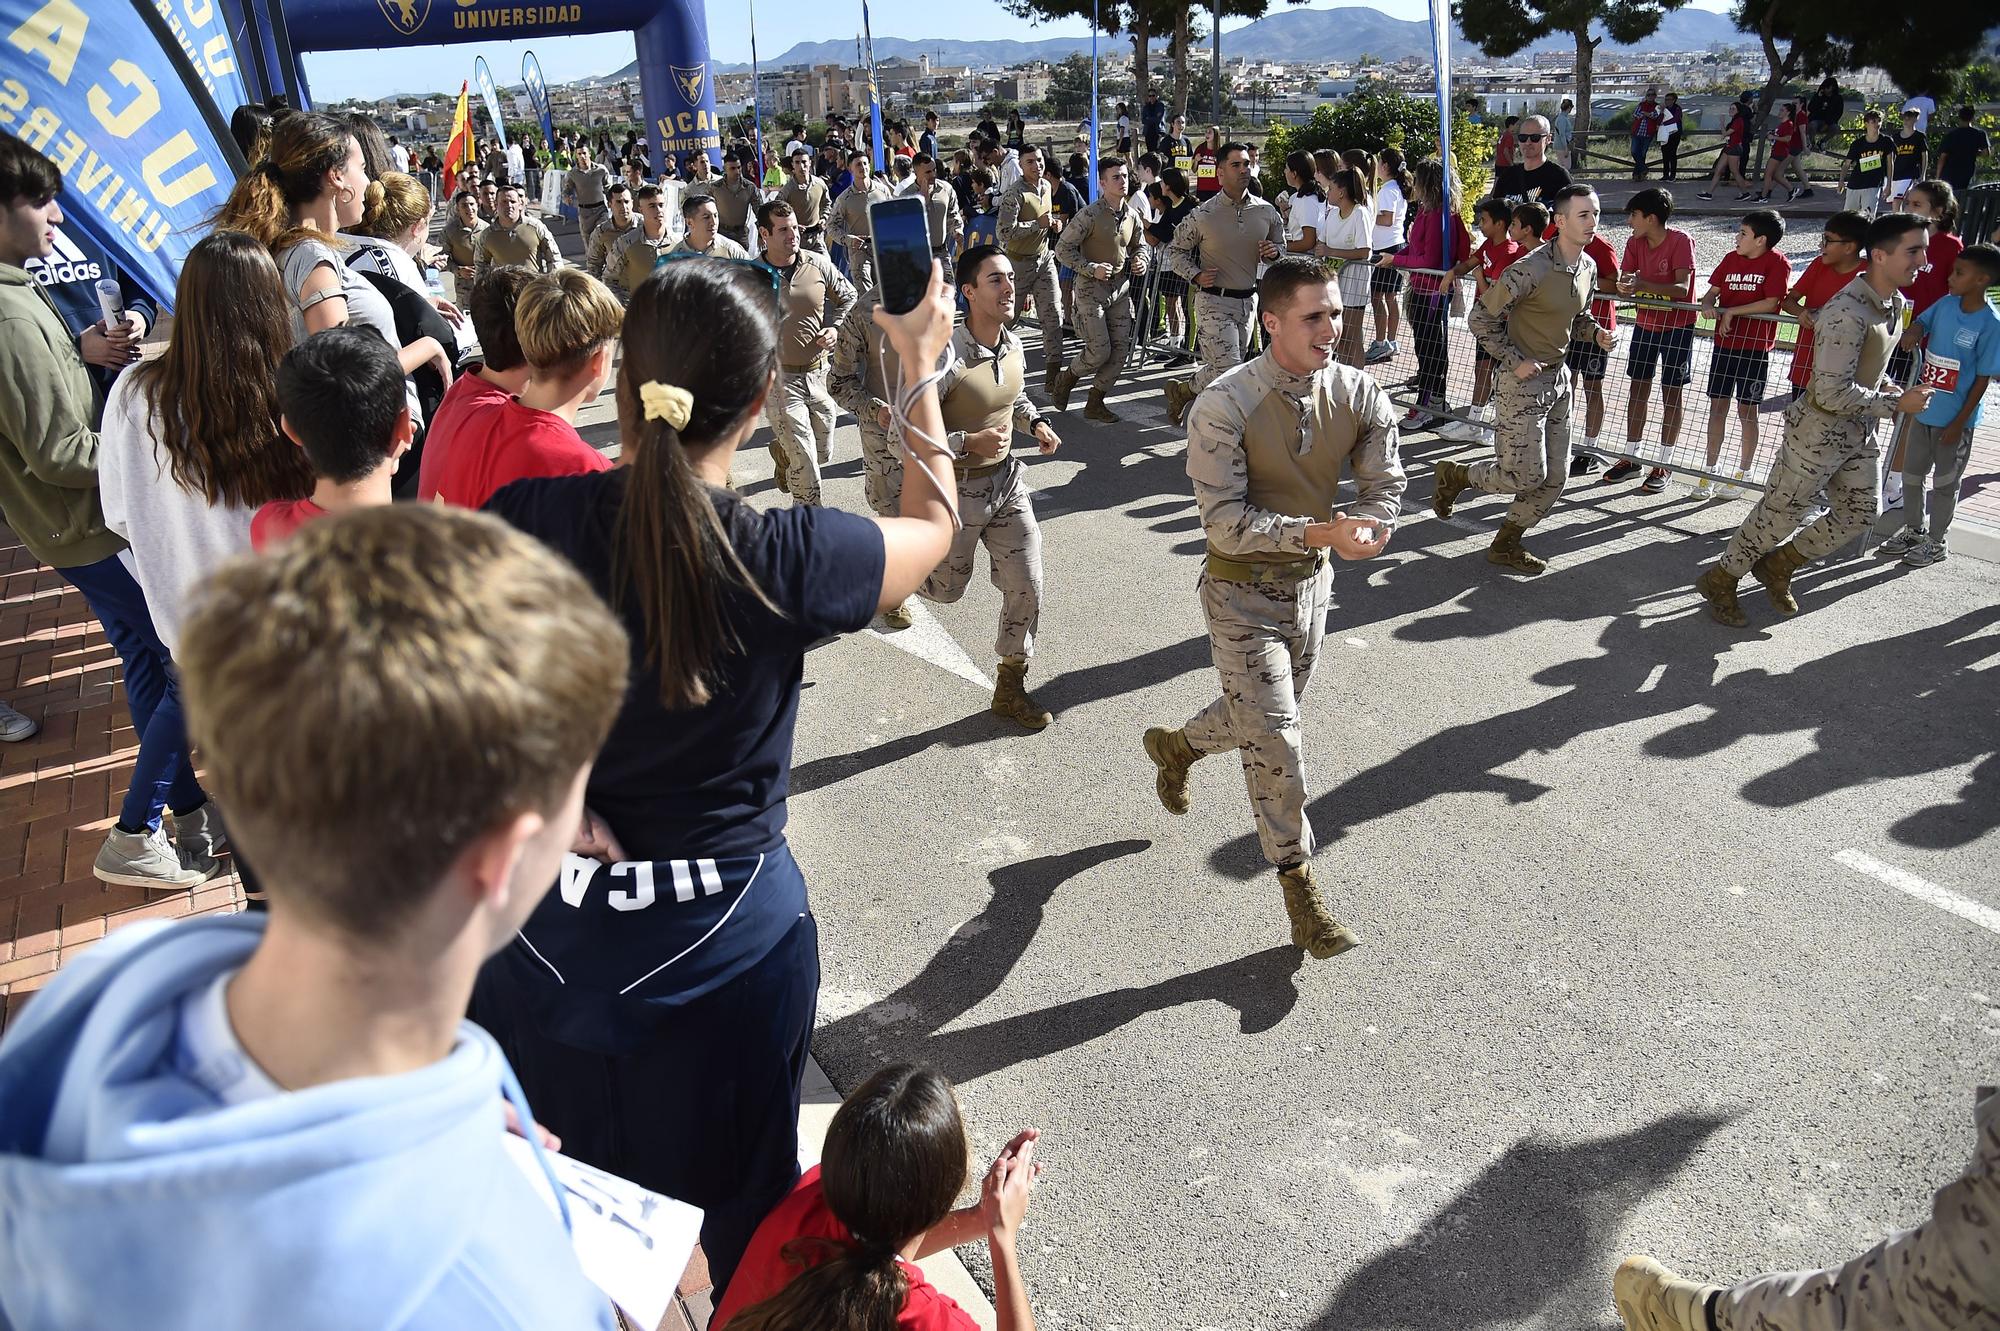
x,y
689,81
66,264
406,16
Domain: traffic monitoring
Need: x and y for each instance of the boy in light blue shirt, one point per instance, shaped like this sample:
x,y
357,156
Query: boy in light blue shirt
x,y
283,1119
1961,339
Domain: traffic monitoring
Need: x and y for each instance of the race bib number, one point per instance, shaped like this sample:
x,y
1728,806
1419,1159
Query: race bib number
x,y
1207,169
1870,161
1940,372
1185,164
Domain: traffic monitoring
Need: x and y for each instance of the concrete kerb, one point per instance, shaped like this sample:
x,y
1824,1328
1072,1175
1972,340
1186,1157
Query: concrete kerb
x,y
817,1101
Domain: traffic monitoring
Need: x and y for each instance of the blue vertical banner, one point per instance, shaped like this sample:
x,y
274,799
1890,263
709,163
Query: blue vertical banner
x,y
482,74
126,99
1441,61
538,97
874,93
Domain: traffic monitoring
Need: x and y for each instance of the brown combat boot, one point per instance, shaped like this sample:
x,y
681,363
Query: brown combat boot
x,y
1451,479
1060,384
779,471
1011,699
1173,755
1180,396
898,616
1775,572
1313,926
1095,410
1649,1297
1506,550
1718,588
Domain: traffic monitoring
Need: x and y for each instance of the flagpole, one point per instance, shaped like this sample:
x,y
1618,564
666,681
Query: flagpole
x,y
756,98
1441,62
1091,188
874,91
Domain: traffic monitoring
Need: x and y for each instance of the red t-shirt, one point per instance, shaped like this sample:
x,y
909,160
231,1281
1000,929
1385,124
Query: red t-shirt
x,y
1495,256
1788,138
1740,281
1928,287
278,519
1503,151
1819,283
468,396
493,449
1657,263
804,1214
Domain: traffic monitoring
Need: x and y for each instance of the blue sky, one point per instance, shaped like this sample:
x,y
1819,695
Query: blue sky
x,y
337,75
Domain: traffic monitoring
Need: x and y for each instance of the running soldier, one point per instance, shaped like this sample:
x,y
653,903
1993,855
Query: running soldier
x,y
985,399
1027,220
584,186
1267,443
1526,321
806,194
813,298
848,229
736,197
638,251
618,223
461,240
514,239
863,377
1830,430
1218,249
704,236
1105,247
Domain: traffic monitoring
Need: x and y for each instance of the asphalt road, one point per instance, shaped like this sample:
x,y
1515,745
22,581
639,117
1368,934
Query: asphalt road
x,y
1616,990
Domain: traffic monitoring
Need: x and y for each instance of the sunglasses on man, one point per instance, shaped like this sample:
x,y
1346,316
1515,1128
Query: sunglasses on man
x,y
1530,138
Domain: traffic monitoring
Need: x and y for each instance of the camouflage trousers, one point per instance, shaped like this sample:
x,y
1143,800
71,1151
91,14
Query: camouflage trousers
x,y
1834,453
881,471
861,270
1222,331
1037,278
1940,1276
1530,444
588,216
800,413
1264,638
1104,323
998,511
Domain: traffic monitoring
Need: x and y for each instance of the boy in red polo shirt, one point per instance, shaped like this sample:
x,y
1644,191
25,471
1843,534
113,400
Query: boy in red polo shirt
x,y
340,398
567,322
1748,282
1824,278
1658,274
502,372
1494,217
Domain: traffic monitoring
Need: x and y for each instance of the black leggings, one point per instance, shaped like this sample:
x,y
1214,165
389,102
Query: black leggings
x,y
707,1113
1428,312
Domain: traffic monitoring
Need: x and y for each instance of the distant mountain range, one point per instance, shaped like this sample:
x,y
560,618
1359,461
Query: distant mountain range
x,y
1291,35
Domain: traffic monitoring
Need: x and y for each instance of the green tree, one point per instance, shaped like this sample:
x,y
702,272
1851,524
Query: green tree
x,y
1504,27
1201,86
1977,82
1069,88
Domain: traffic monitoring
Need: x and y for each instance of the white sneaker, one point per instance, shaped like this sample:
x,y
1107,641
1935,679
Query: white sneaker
x,y
15,727
1892,493
1703,489
1737,483
146,859
1459,431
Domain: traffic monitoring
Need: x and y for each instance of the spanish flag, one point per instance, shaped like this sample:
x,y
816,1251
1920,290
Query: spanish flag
x,y
458,154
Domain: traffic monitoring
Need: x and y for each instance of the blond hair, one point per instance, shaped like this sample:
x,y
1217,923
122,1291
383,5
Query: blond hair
x,y
404,202
390,685
562,317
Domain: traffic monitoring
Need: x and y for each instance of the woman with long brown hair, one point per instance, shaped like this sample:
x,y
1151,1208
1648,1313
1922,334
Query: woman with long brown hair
x,y
189,449
297,200
659,1013
839,1254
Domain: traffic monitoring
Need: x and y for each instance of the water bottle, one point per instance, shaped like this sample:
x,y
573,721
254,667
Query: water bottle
x,y
110,302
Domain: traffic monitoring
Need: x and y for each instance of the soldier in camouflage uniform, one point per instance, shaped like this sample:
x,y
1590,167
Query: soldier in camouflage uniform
x,y
1941,1276
1217,249
638,251
813,299
1027,219
618,223
1830,431
736,196
703,234
985,399
1267,444
461,240
514,239
809,198
1526,321
863,377
1105,247
848,228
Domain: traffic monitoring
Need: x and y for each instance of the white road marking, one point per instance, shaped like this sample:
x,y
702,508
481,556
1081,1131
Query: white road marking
x,y
926,640
1923,889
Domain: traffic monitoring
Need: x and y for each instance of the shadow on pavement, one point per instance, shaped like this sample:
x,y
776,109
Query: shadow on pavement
x,y
971,967
1529,1240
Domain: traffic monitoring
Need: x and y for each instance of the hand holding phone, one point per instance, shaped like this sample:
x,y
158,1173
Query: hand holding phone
x,y
900,235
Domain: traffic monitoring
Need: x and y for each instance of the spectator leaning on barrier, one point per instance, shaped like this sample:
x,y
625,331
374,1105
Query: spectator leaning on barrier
x,y
335,392
400,709
1749,282
49,496
1645,128
1657,273
619,984
1841,243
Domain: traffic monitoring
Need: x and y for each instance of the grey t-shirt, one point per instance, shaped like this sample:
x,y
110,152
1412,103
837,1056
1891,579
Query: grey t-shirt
x,y
366,307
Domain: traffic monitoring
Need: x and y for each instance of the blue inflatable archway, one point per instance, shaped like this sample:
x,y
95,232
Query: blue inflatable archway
x,y
671,37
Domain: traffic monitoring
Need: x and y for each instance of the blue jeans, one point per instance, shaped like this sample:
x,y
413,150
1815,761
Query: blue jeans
x,y
164,773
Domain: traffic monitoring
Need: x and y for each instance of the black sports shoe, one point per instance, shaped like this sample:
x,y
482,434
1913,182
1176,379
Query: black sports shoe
x,y
1656,481
1706,194
1585,464
1746,194
1618,471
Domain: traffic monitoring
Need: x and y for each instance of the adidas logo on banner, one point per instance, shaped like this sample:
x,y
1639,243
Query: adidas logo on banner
x,y
67,264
